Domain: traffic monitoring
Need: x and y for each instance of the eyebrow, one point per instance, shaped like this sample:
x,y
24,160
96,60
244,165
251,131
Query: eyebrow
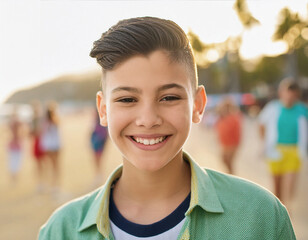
x,y
128,89
160,89
171,85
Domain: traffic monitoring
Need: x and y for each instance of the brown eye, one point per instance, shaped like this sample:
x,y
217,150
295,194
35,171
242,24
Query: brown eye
x,y
127,100
170,98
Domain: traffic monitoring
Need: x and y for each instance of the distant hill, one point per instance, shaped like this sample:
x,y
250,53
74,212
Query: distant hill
x,y
80,88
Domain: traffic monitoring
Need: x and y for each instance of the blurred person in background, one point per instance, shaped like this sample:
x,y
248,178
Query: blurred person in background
x,y
98,139
228,127
37,150
283,126
15,145
51,142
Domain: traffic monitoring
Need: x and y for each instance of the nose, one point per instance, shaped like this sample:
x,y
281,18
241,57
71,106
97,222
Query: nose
x,y
148,116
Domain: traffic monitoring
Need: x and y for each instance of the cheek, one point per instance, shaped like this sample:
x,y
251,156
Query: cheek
x,y
180,117
117,119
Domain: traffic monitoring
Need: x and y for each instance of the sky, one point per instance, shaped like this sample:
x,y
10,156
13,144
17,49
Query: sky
x,y
41,40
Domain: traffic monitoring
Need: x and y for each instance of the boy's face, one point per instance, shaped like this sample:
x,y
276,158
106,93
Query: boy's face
x,y
149,105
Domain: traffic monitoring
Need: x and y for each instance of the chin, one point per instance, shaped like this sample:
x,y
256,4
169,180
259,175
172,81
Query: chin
x,y
150,165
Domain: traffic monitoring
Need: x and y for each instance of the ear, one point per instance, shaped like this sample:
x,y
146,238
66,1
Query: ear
x,y
101,108
199,104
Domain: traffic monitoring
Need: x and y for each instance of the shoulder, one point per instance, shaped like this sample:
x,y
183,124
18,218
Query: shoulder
x,y
223,181
239,193
302,109
253,205
272,104
66,220
272,107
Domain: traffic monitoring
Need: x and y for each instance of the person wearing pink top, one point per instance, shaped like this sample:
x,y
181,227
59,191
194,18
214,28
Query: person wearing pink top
x,y
37,150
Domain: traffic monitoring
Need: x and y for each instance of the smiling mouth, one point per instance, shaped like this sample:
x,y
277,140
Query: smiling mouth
x,y
149,141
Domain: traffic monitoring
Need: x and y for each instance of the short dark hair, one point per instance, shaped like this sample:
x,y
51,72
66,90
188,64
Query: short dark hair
x,y
141,36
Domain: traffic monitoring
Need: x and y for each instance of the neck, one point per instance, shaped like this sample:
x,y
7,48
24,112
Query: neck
x,y
171,181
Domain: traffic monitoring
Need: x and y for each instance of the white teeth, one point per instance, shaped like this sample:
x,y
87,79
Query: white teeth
x,y
151,141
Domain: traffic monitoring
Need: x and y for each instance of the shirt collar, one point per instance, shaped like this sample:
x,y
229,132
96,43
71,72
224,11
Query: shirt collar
x,y
98,213
203,194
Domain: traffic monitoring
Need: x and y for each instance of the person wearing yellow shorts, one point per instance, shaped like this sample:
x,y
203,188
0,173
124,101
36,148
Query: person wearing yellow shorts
x,y
283,126
289,162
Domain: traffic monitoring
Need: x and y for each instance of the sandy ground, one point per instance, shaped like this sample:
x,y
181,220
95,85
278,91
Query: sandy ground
x,y
23,210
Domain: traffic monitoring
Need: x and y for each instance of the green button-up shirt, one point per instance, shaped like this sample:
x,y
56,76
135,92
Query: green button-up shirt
x,y
222,207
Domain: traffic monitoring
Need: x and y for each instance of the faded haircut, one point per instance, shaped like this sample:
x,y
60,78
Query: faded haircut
x,y
142,36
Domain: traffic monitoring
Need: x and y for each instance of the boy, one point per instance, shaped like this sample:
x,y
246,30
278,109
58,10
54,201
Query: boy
x,y
149,100
283,125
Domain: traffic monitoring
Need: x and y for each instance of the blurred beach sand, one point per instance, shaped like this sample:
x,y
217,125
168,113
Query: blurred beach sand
x,y
23,210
